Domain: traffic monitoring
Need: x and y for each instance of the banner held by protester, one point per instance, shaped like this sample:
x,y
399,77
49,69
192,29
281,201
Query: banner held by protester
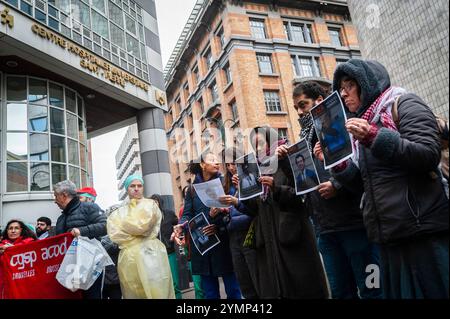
x,y
29,271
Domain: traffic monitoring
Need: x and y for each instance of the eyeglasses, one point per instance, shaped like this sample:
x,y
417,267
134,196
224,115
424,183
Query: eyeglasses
x,y
347,87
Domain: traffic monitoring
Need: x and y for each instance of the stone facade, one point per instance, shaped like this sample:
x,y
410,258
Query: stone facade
x,y
411,38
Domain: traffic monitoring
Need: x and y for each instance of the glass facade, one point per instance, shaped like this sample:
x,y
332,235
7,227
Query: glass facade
x,y
113,29
45,134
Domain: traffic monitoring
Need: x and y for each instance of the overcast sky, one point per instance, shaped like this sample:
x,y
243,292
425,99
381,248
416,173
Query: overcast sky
x,y
172,16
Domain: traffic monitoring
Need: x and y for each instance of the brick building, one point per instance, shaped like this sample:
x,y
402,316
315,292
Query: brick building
x,y
234,68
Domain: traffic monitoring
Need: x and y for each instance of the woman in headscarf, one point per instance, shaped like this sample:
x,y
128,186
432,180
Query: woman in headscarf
x,y
143,266
287,259
398,151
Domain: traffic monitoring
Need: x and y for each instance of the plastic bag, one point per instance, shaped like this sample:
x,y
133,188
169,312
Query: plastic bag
x,y
83,263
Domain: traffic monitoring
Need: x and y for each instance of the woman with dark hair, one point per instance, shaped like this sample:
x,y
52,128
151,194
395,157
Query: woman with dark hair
x,y
244,258
216,262
16,233
287,259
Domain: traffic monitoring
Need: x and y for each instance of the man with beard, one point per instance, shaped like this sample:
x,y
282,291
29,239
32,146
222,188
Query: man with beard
x,y
44,228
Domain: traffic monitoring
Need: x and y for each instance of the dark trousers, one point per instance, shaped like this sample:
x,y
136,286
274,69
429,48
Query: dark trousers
x,y
244,264
112,292
211,286
417,268
346,254
95,292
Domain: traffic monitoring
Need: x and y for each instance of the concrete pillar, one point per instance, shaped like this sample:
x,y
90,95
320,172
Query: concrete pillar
x,y
155,155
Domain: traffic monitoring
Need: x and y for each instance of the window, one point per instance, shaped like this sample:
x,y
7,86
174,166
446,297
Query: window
x,y
227,72
340,61
130,24
99,5
214,92
117,35
190,122
13,2
208,59
196,75
100,24
115,14
272,100
221,37
264,63
283,134
186,91
178,106
306,66
80,12
298,32
258,28
201,105
234,111
133,47
95,24
335,35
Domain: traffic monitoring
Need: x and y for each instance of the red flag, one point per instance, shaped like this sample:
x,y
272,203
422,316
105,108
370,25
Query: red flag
x,y
29,271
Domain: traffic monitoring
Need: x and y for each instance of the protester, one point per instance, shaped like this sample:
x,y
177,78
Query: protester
x,y
186,242
169,219
87,194
216,262
143,266
16,233
81,219
44,228
343,241
244,258
398,151
287,259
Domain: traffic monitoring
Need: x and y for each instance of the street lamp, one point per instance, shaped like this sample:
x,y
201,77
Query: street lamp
x,y
221,126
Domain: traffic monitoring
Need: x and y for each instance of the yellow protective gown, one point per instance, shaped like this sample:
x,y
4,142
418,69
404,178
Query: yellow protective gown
x,y
143,265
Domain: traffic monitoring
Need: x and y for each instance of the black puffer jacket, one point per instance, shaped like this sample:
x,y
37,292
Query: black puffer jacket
x,y
87,217
404,198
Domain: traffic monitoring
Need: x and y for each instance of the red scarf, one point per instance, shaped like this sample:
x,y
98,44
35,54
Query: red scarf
x,y
385,114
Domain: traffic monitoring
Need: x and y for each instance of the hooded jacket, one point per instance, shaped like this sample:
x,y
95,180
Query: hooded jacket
x,y
404,196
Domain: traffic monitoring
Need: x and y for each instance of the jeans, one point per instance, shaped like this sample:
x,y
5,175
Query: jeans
x,y
212,290
346,254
